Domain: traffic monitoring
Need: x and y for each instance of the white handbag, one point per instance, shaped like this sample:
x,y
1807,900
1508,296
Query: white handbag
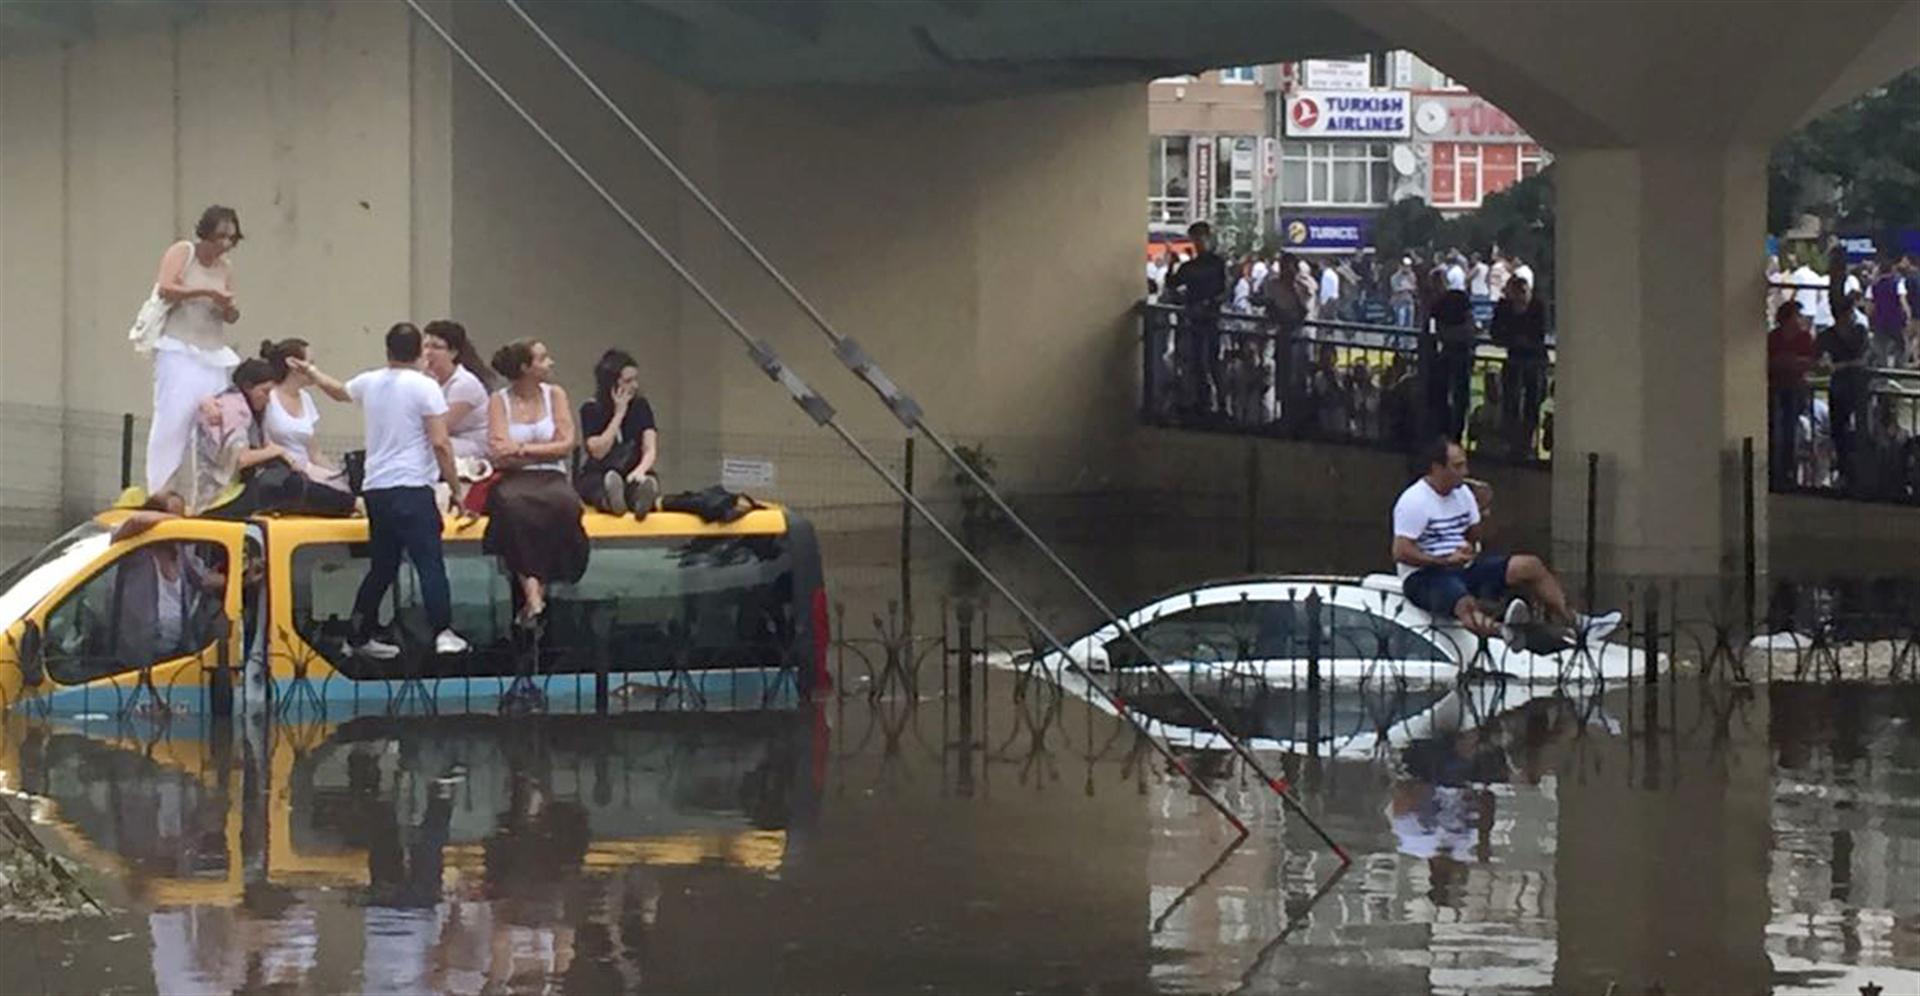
x,y
147,325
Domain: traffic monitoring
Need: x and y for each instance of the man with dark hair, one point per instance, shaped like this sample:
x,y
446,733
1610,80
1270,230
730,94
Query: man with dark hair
x,y
1790,355
408,449
1199,286
1436,545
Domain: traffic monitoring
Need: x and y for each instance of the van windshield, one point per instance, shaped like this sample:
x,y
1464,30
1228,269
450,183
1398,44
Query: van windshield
x,y
23,585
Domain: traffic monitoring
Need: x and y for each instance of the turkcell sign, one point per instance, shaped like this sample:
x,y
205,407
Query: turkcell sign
x,y
1349,114
1323,234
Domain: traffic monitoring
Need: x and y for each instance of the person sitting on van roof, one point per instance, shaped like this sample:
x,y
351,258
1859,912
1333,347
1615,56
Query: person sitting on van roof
x,y
621,441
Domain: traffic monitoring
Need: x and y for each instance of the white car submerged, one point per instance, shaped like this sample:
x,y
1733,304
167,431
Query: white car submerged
x,y
1389,672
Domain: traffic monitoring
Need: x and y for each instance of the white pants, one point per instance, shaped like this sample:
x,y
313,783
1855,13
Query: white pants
x,y
180,381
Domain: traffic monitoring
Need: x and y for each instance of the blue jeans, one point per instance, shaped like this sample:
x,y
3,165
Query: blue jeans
x,y
403,520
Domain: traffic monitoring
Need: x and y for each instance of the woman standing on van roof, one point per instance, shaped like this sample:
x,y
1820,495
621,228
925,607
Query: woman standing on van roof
x,y
533,522
455,365
191,357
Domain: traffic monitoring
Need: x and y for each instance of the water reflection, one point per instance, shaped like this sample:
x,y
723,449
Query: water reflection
x,y
1694,837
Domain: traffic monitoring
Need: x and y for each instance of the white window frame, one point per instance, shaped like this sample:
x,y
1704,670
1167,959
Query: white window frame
x,y
1161,208
1306,155
1240,75
1538,157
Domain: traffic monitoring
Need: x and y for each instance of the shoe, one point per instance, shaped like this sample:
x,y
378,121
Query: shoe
x,y
1518,615
641,495
613,486
1597,628
379,650
449,642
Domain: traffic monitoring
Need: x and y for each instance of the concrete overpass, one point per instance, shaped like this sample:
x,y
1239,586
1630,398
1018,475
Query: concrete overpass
x,y
957,183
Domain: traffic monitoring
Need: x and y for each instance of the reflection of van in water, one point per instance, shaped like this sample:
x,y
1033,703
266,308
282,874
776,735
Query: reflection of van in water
x,y
673,612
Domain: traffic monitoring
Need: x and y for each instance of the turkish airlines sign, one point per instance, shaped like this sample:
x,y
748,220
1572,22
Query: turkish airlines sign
x,y
1349,114
1461,118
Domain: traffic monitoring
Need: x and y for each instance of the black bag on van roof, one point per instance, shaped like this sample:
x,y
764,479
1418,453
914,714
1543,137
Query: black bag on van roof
x,y
711,504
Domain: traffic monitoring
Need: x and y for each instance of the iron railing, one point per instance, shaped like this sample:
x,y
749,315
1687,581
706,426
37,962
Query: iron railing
x,y
1350,382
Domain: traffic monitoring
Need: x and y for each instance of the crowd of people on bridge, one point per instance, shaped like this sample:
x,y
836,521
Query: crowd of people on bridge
x,y
233,437
1857,328
1344,347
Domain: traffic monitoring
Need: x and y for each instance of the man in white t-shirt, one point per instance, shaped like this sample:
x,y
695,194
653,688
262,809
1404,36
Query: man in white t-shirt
x,y
408,451
1456,273
1436,545
1329,291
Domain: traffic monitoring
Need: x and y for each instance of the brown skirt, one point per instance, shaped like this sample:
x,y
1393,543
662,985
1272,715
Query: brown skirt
x,y
533,526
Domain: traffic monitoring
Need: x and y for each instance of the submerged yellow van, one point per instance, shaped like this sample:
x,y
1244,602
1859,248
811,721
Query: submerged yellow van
x,y
192,614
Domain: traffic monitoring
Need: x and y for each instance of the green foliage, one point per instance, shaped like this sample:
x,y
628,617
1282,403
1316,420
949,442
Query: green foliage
x,y
1867,151
1518,220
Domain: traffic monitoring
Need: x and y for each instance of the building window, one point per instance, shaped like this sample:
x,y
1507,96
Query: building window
x,y
1533,159
1234,163
1335,174
1240,74
1169,180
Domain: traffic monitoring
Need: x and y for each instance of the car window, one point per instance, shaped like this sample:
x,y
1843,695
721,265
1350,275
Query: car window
x,y
1271,630
155,603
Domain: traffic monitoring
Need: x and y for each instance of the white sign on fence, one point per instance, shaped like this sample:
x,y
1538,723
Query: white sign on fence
x,y
746,473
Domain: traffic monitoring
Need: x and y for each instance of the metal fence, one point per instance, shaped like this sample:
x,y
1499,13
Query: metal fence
x,y
1352,382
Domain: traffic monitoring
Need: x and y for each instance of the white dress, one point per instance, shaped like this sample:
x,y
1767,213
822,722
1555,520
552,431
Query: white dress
x,y
191,361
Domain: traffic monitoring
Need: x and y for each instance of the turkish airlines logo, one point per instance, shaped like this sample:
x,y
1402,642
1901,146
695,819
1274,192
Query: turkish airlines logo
x,y
1306,113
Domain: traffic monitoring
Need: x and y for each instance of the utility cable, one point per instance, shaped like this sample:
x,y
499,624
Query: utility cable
x,y
910,414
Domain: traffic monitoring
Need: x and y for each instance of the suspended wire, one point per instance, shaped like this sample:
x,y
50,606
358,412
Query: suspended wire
x,y
815,406
909,413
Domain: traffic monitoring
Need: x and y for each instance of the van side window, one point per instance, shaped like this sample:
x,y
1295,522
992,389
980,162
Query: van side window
x,y
155,603
651,604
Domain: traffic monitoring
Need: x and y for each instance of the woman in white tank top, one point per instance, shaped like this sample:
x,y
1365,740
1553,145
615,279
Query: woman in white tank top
x,y
291,418
191,360
533,513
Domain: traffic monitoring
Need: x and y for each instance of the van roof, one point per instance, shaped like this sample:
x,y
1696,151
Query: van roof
x,y
770,519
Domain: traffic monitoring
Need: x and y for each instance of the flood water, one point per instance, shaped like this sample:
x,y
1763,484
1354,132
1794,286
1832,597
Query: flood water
x,y
1705,837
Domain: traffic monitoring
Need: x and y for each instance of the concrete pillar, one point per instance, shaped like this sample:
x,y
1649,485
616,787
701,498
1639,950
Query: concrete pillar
x,y
1662,353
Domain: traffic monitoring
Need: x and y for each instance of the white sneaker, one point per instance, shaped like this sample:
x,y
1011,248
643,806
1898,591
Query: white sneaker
x,y
449,642
379,650
1597,628
1519,614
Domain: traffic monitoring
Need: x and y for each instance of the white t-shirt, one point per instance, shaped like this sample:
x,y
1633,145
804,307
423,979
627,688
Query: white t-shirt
x,y
1329,286
1456,277
396,403
1436,523
470,433
1477,281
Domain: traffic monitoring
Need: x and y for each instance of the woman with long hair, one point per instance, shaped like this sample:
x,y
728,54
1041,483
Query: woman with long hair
x,y
455,365
620,438
533,514
191,358
290,417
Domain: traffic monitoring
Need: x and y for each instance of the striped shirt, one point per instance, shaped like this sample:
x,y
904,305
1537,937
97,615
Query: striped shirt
x,y
1436,523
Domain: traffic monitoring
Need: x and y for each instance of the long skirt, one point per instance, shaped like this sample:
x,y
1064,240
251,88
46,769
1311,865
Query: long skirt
x,y
181,380
533,526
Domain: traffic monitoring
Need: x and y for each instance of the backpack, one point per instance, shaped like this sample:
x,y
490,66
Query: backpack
x,y
711,504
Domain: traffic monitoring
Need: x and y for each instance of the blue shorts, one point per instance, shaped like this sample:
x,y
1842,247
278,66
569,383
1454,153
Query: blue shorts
x,y
1439,589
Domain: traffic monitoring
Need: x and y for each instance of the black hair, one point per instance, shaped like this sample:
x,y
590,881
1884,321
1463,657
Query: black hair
x,y
278,353
1788,309
1198,229
513,359
403,343
454,335
252,373
1435,453
211,218
606,373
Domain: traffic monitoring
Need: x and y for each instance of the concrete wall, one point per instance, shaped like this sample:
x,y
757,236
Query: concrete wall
x,y
1204,105
305,117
